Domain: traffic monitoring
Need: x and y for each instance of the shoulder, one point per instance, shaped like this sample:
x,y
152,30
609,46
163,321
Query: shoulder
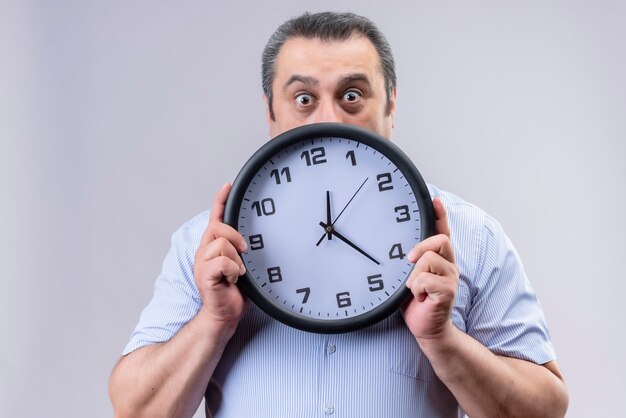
x,y
474,233
191,231
464,216
457,206
467,221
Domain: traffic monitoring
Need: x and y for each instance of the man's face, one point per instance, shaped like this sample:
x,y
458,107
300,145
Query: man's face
x,y
336,81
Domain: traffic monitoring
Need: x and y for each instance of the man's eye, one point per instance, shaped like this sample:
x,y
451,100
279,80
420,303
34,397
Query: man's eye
x,y
352,96
304,99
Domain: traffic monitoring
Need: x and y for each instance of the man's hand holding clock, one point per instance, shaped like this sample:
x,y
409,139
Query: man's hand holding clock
x,y
433,282
217,266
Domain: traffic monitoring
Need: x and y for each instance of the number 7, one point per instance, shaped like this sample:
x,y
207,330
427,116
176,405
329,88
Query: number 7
x,y
306,291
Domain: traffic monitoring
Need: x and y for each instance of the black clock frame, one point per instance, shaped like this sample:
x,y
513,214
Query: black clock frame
x,y
327,130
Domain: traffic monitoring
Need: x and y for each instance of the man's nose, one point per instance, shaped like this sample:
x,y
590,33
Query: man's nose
x,y
328,111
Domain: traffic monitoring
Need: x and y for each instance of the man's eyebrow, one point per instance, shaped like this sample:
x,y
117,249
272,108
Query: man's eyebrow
x,y
355,77
310,81
303,79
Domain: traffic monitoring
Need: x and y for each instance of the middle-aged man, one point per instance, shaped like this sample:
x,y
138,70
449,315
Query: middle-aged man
x,y
473,338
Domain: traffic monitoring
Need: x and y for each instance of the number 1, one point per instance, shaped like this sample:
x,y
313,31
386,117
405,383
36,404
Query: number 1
x,y
351,156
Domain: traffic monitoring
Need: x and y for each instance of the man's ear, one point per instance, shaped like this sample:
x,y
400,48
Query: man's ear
x,y
392,106
268,114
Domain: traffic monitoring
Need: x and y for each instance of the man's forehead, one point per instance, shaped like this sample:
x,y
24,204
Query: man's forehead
x,y
306,56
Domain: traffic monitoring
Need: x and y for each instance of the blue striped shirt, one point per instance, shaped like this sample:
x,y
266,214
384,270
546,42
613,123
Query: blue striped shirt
x,y
271,370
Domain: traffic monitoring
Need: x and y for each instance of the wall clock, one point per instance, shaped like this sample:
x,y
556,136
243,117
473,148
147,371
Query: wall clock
x,y
329,212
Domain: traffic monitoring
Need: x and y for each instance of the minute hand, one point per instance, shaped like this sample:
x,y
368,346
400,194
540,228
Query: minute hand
x,y
347,241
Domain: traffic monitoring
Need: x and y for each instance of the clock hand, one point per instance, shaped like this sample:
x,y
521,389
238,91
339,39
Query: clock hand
x,y
349,201
328,218
334,232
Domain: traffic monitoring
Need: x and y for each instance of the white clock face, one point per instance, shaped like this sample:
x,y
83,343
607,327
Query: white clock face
x,y
328,222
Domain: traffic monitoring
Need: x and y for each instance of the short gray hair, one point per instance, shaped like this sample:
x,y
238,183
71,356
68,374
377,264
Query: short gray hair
x,y
326,26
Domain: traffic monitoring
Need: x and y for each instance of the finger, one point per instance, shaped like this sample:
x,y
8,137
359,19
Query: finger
x,y
217,211
432,262
430,285
218,248
215,228
439,244
221,268
417,284
441,218
221,230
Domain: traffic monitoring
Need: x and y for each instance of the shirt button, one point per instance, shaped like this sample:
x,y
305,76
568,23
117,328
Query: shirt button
x,y
331,348
329,410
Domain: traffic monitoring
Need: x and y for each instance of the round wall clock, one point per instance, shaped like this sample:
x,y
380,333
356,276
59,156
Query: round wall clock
x,y
329,212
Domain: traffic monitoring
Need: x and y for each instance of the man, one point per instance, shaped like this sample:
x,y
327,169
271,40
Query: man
x,y
472,338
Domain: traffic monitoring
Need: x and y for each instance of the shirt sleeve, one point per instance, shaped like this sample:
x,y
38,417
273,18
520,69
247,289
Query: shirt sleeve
x,y
505,314
176,299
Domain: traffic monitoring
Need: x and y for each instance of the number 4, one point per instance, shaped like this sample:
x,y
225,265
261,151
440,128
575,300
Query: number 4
x,y
396,252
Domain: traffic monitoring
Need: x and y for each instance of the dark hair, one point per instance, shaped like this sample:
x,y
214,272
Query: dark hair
x,y
326,26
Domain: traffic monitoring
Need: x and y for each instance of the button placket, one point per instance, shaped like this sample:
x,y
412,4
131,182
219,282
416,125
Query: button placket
x,y
328,392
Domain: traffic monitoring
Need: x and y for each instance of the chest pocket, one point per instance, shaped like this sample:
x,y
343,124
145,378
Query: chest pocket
x,y
405,356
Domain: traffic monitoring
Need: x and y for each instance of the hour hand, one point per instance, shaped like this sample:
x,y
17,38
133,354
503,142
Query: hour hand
x,y
328,217
331,230
328,233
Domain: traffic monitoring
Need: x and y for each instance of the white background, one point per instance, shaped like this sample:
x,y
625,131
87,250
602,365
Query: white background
x,y
120,120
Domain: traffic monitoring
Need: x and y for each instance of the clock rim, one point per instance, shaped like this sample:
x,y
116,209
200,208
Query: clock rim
x,y
297,135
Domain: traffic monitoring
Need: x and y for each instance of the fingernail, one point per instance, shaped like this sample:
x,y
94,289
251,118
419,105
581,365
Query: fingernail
x,y
242,270
244,246
411,255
